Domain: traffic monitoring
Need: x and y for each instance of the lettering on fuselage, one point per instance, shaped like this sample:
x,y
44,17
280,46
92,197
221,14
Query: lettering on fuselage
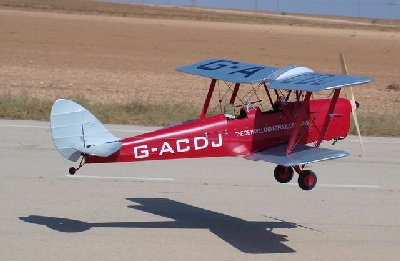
x,y
268,129
178,146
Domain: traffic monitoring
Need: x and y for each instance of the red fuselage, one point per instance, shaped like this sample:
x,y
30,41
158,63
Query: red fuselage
x,y
218,136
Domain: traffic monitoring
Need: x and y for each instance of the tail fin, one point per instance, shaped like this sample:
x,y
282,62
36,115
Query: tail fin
x,y
75,131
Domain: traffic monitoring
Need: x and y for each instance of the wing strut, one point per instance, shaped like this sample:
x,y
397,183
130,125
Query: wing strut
x,y
328,116
298,123
234,94
269,95
208,99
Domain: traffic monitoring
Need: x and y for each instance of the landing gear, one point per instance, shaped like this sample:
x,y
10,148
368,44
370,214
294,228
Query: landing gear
x,y
307,180
73,170
283,174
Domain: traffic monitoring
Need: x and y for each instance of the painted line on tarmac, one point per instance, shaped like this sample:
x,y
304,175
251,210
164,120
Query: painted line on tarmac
x,y
24,126
342,186
126,178
349,186
47,127
372,141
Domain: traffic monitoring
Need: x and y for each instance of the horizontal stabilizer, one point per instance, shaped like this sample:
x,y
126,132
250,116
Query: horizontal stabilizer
x,y
101,150
75,131
301,154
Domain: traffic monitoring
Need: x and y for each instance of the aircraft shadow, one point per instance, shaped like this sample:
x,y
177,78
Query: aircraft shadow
x,y
247,236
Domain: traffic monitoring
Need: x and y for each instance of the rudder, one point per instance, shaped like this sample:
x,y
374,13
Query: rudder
x,y
75,131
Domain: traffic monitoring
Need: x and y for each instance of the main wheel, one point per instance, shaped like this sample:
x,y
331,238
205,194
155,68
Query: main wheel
x,y
72,170
307,180
283,174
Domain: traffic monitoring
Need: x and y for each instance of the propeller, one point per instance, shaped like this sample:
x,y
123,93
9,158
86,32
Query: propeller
x,y
354,105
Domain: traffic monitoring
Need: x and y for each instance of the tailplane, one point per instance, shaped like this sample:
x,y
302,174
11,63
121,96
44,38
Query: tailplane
x,y
75,131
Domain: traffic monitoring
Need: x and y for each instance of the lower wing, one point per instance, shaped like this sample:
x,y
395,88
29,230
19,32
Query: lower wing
x,y
301,154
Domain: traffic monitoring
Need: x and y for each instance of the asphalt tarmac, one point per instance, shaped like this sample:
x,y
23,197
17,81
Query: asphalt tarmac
x,y
197,209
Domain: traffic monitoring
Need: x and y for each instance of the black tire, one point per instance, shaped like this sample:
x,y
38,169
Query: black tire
x,y
283,174
307,180
72,170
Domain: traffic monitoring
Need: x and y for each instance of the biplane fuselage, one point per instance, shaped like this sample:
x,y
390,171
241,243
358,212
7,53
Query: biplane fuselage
x,y
278,135
218,136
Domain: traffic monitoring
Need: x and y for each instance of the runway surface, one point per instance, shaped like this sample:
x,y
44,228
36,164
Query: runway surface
x,y
197,209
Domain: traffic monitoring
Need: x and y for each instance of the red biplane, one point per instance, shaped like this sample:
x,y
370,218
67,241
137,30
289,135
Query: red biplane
x,y
275,130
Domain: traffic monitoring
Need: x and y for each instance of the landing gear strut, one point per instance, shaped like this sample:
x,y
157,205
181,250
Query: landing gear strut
x,y
73,170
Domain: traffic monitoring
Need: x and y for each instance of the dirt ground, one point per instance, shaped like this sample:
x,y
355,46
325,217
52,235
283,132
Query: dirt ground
x,y
111,58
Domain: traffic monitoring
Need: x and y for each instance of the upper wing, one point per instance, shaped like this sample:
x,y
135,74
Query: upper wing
x,y
311,81
228,70
286,78
301,154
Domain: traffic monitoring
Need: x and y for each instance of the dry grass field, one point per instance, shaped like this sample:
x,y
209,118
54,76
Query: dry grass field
x,y
126,54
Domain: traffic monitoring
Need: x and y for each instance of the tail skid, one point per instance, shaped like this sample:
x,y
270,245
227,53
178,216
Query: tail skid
x,y
75,131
